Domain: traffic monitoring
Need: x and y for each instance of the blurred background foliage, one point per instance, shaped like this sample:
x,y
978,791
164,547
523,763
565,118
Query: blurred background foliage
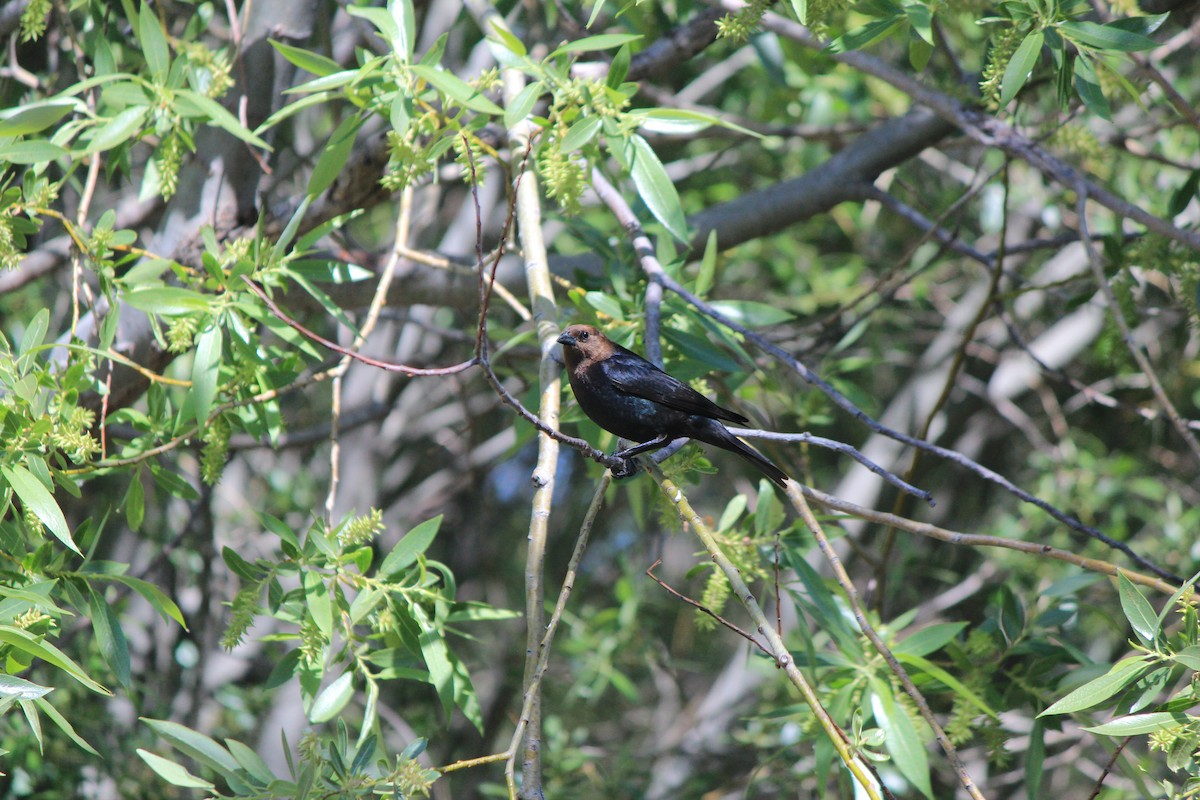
x,y
234,564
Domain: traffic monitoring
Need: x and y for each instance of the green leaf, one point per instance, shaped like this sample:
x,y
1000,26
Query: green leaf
x,y
206,370
155,596
1035,759
12,687
1141,723
934,671
174,484
154,43
38,499
1182,196
1105,37
921,19
708,265
655,187
927,640
864,36
406,28
251,761
135,502
580,133
479,612
118,129
64,726
34,117
332,699
1189,657
1094,692
284,669
605,41
1144,25
522,105
167,301
334,156
383,21
605,304
1087,85
1137,610
1021,65
306,60
437,658
326,271
902,741
196,105
36,151
919,52
411,545
35,332
173,773
316,598
49,653
682,122
195,745
801,9
109,636
619,68
457,89
507,39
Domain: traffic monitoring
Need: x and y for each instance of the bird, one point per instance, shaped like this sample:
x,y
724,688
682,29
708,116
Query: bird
x,y
627,395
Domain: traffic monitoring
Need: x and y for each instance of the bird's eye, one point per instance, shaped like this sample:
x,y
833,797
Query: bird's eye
x,y
583,335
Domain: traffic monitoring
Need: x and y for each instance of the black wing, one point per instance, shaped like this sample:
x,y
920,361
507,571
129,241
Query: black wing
x,y
632,374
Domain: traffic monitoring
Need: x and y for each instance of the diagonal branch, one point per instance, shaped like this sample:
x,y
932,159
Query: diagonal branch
x,y
983,128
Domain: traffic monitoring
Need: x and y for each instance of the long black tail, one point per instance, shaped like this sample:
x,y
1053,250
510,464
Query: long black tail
x,y
717,434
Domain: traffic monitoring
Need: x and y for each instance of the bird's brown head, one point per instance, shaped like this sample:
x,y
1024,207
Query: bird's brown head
x,y
584,343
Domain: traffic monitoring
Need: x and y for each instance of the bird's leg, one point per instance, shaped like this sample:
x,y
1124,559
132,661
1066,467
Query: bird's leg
x,y
644,447
629,466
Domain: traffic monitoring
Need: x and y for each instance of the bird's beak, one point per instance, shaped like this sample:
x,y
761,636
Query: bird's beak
x,y
566,339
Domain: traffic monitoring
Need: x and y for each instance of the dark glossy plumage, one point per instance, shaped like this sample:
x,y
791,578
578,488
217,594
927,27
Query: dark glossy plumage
x,y
627,395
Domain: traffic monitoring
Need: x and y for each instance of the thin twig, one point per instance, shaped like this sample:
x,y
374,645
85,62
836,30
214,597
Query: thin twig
x,y
360,338
981,540
701,607
1114,309
862,771
1112,762
982,127
796,495
839,447
389,366
950,455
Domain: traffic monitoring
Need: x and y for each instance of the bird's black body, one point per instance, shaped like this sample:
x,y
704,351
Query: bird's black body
x,y
627,395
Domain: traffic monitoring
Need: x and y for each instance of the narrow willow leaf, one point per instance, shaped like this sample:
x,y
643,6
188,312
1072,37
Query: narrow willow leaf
x,y
1021,65
604,41
154,43
1137,610
172,773
38,499
306,60
1141,723
334,156
1097,691
1105,37
35,117
332,699
206,371
656,188
457,89
902,741
411,545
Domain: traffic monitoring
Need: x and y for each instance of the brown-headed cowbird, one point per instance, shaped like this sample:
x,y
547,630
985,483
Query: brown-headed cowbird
x,y
627,395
